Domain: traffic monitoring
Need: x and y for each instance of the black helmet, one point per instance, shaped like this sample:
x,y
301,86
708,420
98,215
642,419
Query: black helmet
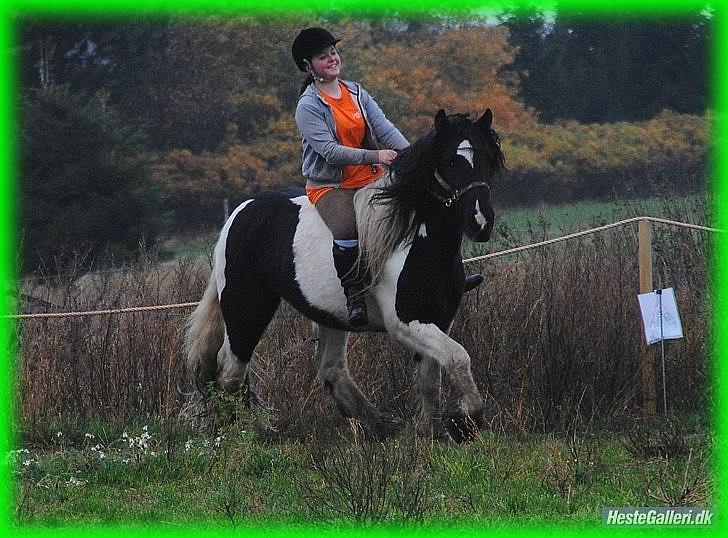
x,y
308,42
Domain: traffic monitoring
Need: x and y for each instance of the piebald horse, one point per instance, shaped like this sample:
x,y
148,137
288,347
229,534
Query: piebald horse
x,y
411,224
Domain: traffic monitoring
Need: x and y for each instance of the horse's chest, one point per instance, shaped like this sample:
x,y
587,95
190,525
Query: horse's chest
x,y
429,286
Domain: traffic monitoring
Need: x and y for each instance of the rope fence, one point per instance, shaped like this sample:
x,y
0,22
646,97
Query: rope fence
x,y
590,232
101,312
492,255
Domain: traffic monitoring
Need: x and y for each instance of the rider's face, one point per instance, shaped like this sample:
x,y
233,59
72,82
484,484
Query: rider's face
x,y
327,63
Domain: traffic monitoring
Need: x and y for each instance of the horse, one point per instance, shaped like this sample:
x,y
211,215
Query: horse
x,y
411,223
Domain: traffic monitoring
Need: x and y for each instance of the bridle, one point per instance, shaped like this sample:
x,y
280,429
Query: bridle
x,y
453,195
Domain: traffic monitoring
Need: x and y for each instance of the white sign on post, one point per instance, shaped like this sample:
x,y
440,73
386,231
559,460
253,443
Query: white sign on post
x,y
660,316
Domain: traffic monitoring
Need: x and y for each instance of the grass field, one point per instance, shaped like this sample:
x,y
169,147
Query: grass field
x,y
577,215
151,474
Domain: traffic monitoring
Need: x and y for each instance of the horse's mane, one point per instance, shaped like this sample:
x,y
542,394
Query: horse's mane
x,y
387,210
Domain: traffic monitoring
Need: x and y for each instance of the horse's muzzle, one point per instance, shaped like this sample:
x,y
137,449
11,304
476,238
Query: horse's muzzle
x,y
480,228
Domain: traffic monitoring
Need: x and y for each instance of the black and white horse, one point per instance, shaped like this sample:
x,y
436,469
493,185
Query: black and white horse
x,y
411,224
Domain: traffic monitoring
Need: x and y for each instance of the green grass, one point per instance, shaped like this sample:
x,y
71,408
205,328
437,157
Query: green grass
x,y
581,215
146,476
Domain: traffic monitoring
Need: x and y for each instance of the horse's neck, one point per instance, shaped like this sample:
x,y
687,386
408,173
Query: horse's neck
x,y
380,231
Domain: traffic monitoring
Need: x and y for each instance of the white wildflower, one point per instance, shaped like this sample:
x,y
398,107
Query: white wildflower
x,y
14,455
59,434
89,436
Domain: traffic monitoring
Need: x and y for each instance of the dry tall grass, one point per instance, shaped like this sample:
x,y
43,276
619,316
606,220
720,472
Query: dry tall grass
x,y
554,335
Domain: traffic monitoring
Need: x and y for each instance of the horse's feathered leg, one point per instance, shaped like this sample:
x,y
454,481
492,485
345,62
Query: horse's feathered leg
x,y
428,377
334,372
430,341
429,381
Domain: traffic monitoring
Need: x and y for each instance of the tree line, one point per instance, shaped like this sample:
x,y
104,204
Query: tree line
x,y
133,128
620,68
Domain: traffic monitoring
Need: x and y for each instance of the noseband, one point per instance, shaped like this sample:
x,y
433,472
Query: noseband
x,y
453,195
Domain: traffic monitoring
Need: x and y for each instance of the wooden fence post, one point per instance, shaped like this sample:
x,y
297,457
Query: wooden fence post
x,y
644,254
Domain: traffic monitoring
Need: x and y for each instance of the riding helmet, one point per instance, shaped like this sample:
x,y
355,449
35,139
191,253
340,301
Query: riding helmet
x,y
308,42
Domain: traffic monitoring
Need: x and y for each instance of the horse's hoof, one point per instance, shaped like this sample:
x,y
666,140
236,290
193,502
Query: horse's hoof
x,y
388,425
463,428
444,437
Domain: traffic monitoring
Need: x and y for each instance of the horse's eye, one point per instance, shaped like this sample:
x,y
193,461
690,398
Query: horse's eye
x,y
452,162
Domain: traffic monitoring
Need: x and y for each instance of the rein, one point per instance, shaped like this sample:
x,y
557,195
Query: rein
x,y
453,195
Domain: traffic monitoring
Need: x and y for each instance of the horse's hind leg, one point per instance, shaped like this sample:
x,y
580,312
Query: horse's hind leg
x,y
428,378
247,308
334,372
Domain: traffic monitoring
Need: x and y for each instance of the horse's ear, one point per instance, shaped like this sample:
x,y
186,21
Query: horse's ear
x,y
440,120
485,121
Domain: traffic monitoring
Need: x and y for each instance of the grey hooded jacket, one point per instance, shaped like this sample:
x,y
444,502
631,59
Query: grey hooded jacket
x,y
323,155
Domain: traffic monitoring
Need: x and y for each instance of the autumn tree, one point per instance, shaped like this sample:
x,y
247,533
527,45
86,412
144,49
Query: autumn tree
x,y
460,69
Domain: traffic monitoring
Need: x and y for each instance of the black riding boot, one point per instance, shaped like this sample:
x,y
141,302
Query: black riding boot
x,y
354,280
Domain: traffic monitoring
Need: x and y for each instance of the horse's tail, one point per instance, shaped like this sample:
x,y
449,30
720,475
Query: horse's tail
x,y
204,337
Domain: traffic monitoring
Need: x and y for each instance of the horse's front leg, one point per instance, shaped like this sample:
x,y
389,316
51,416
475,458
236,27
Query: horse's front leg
x,y
465,414
334,372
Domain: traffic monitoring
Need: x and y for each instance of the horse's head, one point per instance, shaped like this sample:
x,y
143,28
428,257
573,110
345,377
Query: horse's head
x,y
469,157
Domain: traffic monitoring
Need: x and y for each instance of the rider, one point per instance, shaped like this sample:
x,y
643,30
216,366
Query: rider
x,y
346,138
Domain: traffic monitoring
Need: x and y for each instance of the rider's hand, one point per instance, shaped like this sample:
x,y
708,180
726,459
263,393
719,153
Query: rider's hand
x,y
386,156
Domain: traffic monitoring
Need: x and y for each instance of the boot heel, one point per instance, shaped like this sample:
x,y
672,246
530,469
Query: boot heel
x,y
357,313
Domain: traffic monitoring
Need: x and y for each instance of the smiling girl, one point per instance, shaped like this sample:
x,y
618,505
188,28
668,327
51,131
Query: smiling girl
x,y
346,138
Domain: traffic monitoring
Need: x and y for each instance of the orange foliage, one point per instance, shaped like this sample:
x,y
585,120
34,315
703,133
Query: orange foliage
x,y
239,72
235,73
457,70
556,162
